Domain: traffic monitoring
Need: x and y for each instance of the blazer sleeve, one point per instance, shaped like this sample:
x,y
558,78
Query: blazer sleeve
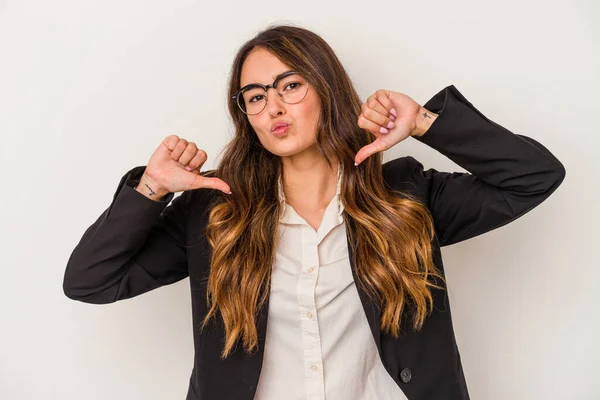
x,y
136,245
508,174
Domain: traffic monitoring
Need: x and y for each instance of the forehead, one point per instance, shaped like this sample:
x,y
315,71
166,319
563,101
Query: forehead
x,y
261,66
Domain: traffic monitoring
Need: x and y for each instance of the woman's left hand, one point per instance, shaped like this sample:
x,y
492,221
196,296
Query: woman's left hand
x,y
391,117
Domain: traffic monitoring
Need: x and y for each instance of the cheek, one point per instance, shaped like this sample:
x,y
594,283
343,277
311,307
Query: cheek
x,y
260,125
313,110
311,120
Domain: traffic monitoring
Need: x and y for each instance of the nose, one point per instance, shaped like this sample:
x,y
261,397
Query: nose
x,y
275,105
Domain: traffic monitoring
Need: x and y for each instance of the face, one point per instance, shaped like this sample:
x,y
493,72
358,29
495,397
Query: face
x,y
261,66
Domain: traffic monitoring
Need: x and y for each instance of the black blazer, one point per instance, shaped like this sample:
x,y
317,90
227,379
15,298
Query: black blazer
x,y
138,244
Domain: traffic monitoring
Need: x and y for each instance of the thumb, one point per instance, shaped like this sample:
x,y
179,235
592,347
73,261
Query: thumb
x,y
367,151
200,182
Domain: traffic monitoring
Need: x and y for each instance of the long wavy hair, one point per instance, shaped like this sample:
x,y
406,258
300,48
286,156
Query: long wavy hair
x,y
389,231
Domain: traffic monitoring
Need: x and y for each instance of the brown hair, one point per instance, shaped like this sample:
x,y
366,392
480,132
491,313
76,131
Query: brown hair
x,y
390,231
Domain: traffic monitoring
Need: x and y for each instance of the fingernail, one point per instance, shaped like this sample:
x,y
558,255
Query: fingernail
x,y
227,192
355,164
383,130
188,168
391,125
392,117
393,111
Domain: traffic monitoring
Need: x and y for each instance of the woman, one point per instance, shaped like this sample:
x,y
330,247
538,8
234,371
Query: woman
x,y
310,232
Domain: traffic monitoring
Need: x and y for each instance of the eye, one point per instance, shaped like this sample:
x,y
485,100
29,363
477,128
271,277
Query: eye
x,y
292,84
256,98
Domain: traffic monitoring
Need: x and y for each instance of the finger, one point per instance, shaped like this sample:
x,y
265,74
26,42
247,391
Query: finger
x,y
384,124
170,142
371,126
198,160
383,97
374,103
188,154
381,102
179,149
211,183
376,107
368,150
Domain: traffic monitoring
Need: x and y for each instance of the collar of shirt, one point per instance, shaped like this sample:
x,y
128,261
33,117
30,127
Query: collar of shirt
x,y
335,207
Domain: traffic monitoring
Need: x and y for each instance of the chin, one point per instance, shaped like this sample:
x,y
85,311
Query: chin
x,y
282,150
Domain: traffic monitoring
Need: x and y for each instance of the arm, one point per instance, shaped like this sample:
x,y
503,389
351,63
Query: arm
x,y
136,245
508,174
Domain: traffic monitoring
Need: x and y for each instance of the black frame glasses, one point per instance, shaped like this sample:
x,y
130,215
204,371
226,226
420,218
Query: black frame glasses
x,y
237,97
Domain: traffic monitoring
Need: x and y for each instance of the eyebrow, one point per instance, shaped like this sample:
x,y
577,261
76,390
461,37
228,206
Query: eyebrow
x,y
274,78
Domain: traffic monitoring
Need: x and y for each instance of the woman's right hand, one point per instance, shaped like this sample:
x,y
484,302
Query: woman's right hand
x,y
175,167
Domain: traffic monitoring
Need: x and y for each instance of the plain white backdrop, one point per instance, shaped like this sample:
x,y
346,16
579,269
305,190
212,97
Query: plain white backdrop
x,y
88,89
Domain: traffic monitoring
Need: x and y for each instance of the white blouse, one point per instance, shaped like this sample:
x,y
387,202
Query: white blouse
x,y
318,342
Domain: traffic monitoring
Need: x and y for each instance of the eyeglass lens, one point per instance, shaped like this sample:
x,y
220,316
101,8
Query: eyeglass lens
x,y
290,89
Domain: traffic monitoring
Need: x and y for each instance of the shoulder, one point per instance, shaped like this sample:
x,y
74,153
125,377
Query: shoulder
x,y
406,174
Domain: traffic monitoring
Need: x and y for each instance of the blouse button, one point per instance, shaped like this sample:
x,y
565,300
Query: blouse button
x,y
311,269
309,314
313,367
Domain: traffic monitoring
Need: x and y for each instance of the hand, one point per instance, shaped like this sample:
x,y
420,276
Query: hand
x,y
391,117
175,167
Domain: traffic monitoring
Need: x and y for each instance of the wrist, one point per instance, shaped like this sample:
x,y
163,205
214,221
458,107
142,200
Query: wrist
x,y
149,188
424,120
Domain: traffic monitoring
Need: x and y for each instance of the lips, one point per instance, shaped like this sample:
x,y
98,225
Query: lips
x,y
279,125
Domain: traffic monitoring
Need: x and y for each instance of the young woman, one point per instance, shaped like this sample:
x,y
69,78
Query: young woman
x,y
315,270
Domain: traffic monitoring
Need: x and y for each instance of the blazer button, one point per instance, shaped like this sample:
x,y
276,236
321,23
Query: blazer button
x,y
405,375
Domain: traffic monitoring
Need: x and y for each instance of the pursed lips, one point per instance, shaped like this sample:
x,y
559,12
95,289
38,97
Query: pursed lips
x,y
279,125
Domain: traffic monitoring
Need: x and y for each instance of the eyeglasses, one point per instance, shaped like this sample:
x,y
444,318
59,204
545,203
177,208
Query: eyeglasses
x,y
252,98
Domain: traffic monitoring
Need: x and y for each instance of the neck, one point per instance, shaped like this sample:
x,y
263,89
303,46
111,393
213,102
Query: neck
x,y
308,181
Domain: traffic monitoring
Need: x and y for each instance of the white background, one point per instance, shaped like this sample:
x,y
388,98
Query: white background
x,y
88,89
